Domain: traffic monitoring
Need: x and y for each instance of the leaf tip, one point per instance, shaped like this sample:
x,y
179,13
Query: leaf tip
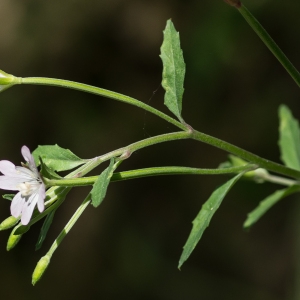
x,y
180,264
251,219
247,225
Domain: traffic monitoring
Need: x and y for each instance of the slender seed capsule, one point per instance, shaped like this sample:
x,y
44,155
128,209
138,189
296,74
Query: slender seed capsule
x,y
9,222
40,269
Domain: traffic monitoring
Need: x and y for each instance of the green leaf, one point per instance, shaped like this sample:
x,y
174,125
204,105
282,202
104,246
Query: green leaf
x,y
44,230
289,138
47,172
203,218
57,158
100,186
267,203
173,70
8,196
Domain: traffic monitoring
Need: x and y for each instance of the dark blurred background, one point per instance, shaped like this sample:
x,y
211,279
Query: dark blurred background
x,y
129,247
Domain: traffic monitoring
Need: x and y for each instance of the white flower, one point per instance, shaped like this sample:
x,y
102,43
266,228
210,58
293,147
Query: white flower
x,y
29,184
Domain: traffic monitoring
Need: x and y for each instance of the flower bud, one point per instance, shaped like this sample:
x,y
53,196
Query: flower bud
x,y
260,174
13,240
7,80
40,269
9,222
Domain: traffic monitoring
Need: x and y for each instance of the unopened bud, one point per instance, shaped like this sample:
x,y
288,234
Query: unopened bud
x,y
13,240
235,3
7,80
260,174
9,222
40,269
257,174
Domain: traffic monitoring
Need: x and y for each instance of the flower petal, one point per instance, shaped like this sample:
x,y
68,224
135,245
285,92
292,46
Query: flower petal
x,y
28,207
7,168
29,158
10,183
42,195
28,182
27,174
16,205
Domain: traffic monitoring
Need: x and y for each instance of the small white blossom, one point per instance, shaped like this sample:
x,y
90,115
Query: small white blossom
x,y
29,184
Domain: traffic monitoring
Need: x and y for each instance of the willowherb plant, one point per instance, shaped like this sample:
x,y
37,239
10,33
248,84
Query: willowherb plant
x,y
46,190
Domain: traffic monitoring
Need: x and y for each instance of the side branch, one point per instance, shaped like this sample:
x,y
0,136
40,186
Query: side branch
x,y
248,156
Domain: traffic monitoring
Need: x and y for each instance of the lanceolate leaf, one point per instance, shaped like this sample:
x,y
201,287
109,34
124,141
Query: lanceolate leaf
x,y
267,203
173,70
44,230
203,218
289,140
57,158
100,186
289,144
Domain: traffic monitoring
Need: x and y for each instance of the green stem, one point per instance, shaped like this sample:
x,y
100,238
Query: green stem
x,y
252,158
269,42
248,156
100,92
159,171
125,152
279,180
57,195
70,224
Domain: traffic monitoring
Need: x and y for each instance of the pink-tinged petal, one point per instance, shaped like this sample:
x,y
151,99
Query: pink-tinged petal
x,y
41,195
7,168
25,173
28,208
26,153
29,158
10,183
16,205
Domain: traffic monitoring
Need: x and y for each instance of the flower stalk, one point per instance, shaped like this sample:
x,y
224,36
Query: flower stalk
x,y
268,41
70,224
100,92
202,137
147,172
43,263
188,131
